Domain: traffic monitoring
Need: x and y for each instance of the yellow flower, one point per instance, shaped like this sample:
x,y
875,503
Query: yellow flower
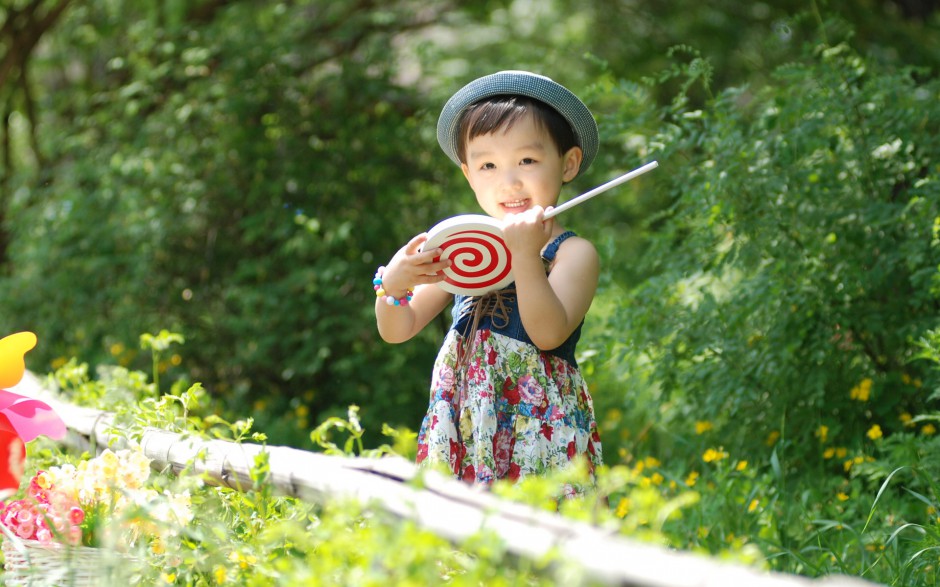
x,y
623,508
841,452
220,574
116,349
874,432
712,455
847,465
929,429
842,497
243,561
829,453
822,433
108,463
703,426
657,479
44,480
753,505
862,391
741,466
772,438
906,418
169,578
691,479
613,416
652,462
134,468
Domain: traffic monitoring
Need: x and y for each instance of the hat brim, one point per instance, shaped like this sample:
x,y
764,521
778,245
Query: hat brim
x,y
519,83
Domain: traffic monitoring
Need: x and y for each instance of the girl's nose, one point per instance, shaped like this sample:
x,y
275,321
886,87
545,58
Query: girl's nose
x,y
511,181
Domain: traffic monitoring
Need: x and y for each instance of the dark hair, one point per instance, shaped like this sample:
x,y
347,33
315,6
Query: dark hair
x,y
496,112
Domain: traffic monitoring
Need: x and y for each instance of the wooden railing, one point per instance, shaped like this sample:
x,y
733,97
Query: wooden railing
x,y
449,508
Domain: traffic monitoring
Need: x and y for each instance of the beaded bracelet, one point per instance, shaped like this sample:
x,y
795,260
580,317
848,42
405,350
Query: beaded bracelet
x,y
380,292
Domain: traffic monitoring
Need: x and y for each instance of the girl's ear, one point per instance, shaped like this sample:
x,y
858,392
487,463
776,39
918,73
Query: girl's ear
x,y
466,173
571,163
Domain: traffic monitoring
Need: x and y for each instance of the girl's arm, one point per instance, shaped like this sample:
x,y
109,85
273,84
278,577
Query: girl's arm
x,y
551,307
409,269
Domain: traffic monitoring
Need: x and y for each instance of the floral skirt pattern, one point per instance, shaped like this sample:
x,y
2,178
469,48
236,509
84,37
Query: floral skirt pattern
x,y
515,411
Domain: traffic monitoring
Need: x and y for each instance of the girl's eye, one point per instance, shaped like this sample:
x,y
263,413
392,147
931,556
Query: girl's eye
x,y
527,161
487,166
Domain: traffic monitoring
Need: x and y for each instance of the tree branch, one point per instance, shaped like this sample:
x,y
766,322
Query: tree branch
x,y
22,32
206,11
29,105
4,179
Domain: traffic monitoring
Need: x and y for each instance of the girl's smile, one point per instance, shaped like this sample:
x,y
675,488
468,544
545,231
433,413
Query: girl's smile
x,y
515,206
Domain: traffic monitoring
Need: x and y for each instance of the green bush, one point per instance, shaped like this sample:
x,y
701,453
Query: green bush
x,y
796,263
778,352
255,537
226,182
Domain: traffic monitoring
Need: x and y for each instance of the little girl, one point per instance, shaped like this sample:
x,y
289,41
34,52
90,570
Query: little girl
x,y
507,398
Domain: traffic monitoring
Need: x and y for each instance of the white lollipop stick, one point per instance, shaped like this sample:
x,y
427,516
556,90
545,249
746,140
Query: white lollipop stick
x,y
601,189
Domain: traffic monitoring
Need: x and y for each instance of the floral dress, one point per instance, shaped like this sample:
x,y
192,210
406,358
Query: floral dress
x,y
500,408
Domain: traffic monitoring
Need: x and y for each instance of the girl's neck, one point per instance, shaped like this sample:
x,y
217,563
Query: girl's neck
x,y
557,230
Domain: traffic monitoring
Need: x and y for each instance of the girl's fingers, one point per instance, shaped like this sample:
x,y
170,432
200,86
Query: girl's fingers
x,y
428,279
428,257
433,271
414,245
419,257
412,266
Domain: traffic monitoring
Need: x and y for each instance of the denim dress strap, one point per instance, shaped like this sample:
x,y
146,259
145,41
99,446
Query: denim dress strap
x,y
552,249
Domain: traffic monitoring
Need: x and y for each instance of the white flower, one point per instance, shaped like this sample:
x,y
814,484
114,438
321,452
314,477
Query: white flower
x,y
887,150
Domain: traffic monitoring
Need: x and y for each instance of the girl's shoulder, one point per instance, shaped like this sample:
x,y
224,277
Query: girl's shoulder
x,y
575,248
575,256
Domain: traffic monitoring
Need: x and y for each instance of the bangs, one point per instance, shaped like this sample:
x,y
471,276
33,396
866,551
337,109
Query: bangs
x,y
502,112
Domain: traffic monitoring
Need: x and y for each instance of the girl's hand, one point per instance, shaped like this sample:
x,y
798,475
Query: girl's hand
x,y
411,266
526,234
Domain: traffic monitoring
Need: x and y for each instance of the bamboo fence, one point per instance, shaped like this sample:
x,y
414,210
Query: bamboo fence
x,y
449,508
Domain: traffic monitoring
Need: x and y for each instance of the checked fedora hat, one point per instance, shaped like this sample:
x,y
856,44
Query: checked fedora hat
x,y
519,83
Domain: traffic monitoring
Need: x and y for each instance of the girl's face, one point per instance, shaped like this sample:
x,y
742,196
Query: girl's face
x,y
512,170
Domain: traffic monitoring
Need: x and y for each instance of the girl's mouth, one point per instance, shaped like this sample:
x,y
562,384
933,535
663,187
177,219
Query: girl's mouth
x,y
515,205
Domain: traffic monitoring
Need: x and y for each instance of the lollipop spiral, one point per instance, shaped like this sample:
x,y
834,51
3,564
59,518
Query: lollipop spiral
x,y
480,259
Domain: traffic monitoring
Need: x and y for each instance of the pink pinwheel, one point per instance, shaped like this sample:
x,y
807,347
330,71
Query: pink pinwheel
x,y
21,418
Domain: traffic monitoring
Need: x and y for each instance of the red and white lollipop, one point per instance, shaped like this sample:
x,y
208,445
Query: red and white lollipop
x,y
480,259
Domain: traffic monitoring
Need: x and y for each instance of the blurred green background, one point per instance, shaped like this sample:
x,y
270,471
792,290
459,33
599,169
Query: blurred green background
x,y
234,171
